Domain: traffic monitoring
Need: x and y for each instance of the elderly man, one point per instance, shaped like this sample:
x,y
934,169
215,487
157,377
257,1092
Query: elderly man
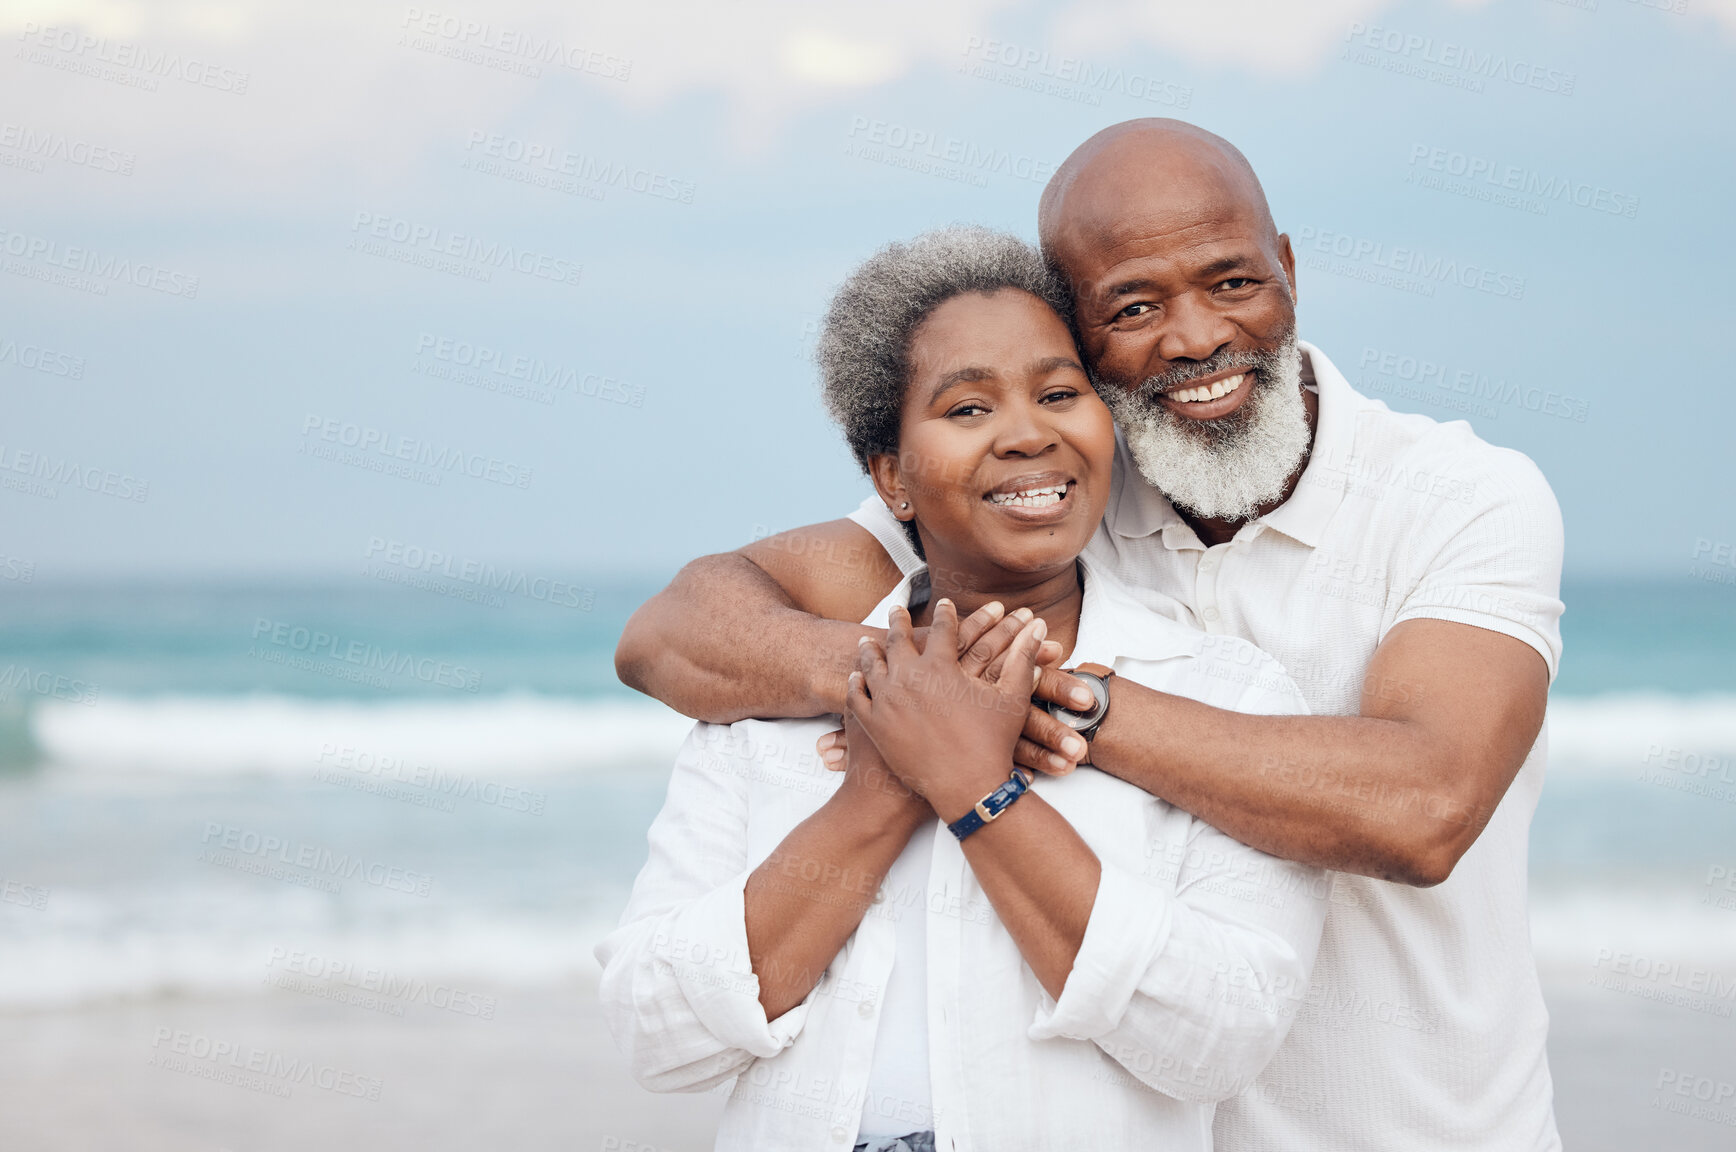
x,y
1403,571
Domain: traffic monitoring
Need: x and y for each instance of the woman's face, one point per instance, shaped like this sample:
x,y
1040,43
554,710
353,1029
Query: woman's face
x,y
1004,448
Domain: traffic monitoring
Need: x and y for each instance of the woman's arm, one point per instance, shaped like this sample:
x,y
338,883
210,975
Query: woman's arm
x,y
714,958
948,733
809,895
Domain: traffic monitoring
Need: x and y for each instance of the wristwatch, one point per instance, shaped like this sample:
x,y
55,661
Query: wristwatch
x,y
1096,677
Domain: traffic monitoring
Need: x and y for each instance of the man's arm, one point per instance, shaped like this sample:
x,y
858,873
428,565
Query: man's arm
x,y
765,631
1399,792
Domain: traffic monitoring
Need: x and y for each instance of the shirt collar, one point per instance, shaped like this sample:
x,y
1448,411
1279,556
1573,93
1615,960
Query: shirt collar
x,y
1112,622
1141,510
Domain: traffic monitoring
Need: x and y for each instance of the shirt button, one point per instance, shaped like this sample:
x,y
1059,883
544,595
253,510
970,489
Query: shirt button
x,y
880,895
1208,562
839,1135
1210,615
865,1009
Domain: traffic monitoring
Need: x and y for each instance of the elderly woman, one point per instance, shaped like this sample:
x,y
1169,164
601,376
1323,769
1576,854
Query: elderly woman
x,y
931,949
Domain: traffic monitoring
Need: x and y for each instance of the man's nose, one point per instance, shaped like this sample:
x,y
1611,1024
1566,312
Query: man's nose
x,y
1193,330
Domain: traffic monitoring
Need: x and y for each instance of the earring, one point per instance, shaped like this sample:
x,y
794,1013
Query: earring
x,y
906,504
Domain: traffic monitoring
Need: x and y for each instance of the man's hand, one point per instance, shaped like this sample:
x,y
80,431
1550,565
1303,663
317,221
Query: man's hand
x,y
945,726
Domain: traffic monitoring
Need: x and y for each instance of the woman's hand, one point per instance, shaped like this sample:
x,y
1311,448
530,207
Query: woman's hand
x,y
945,725
871,788
984,637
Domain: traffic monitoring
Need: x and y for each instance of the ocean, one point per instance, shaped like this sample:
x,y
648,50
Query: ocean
x,y
205,787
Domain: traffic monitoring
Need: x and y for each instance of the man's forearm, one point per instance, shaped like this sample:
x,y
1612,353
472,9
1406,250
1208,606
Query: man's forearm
x,y
1350,793
724,642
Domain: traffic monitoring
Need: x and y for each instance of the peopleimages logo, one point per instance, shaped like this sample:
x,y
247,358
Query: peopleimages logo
x,y
1427,269
414,242
253,1068
1523,181
227,844
379,981
44,145
61,470
314,643
39,359
510,581
79,261
84,49
1428,58
397,453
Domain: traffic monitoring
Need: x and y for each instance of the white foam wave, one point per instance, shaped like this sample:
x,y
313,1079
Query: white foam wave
x,y
1571,928
62,967
215,735
203,735
1615,734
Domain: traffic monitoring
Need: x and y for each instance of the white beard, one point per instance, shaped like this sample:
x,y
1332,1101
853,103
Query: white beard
x,y
1222,469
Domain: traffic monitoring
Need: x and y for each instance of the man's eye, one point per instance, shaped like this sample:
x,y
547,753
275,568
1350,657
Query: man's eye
x,y
1133,310
1236,282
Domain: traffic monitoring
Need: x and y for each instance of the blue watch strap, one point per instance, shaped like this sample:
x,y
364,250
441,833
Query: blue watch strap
x,y
991,805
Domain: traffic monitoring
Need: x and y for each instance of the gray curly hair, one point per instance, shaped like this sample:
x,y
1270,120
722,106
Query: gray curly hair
x,y
864,346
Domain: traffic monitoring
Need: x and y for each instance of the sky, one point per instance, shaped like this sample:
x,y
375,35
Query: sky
x,y
289,286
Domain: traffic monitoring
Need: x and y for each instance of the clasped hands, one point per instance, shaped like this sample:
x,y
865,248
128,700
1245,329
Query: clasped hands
x,y
938,720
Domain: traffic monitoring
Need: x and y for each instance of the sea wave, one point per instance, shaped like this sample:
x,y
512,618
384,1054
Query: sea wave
x,y
78,951
229,735
81,953
1621,733
216,735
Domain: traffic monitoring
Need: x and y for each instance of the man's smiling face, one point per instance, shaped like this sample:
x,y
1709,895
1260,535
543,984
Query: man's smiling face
x,y
1185,311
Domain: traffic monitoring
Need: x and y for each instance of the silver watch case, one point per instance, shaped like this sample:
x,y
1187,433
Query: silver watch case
x,y
1084,723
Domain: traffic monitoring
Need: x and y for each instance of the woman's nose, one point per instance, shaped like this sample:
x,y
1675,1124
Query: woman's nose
x,y
1025,431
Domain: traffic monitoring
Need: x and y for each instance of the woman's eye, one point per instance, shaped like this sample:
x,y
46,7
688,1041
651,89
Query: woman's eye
x,y
1060,394
968,409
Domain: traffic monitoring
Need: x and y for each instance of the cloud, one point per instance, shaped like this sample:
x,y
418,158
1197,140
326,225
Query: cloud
x,y
344,98
1276,36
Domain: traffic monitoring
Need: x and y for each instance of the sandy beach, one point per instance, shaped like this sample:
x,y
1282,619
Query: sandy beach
x,y
543,1074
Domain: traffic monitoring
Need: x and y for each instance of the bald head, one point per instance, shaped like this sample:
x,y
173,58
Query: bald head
x,y
1141,174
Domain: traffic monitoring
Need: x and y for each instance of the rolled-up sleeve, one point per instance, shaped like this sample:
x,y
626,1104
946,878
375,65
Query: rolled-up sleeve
x,y
678,989
1191,978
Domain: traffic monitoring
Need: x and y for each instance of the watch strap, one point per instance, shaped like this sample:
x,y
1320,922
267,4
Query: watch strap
x,y
992,805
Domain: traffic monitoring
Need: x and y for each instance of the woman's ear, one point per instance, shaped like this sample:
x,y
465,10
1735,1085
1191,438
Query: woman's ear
x,y
889,482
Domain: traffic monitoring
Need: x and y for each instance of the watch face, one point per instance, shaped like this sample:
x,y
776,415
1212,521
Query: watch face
x,y
1080,721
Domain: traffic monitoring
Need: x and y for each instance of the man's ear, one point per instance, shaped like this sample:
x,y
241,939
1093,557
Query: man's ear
x,y
1287,257
889,483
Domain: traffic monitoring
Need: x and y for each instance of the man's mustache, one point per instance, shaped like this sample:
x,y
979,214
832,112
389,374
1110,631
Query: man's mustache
x,y
1184,374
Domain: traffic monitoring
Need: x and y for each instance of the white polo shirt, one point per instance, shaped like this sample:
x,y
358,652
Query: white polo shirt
x,y
1425,1026
1195,957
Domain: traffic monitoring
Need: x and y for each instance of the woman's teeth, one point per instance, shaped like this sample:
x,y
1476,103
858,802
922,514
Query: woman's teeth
x,y
1208,391
1030,497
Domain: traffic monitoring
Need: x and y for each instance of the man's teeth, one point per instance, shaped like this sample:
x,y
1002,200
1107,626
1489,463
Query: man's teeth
x,y
1208,391
1030,497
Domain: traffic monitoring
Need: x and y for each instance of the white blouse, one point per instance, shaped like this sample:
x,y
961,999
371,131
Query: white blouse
x,y
1196,955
